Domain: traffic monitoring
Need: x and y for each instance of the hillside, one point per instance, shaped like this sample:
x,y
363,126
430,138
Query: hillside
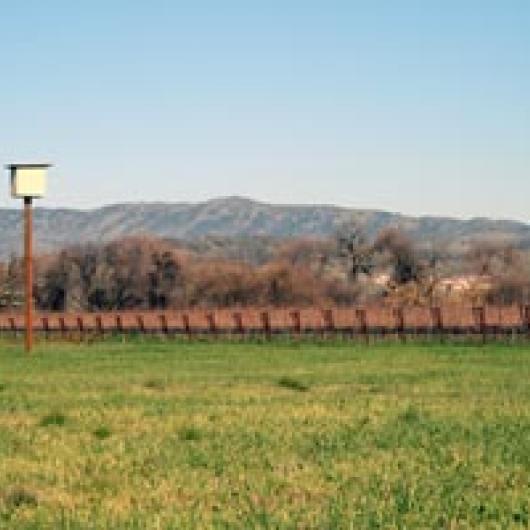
x,y
235,217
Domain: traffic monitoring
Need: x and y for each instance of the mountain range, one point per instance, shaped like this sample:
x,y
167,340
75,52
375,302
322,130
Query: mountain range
x,y
237,217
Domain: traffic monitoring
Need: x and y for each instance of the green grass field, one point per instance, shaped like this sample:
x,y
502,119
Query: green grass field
x,y
210,435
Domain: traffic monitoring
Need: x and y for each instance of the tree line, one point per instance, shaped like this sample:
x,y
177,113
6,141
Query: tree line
x,y
149,273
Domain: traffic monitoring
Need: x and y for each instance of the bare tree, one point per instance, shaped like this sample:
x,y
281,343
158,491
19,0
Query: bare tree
x,y
354,248
506,268
11,283
402,255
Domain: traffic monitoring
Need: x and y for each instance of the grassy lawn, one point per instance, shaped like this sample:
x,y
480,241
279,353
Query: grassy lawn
x,y
173,435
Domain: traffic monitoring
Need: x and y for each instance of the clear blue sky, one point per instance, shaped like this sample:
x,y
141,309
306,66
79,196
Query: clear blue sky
x,y
419,106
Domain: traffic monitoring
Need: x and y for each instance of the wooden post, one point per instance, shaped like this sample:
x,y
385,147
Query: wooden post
x,y
266,324
400,323
526,320
212,327
163,323
238,323
46,327
186,324
363,324
13,326
437,321
62,325
80,327
329,322
479,315
99,325
297,322
28,258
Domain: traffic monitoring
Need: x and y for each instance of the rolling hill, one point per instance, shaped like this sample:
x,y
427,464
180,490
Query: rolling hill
x,y
236,217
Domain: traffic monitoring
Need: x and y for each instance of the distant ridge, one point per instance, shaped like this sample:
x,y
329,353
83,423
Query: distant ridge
x,y
236,217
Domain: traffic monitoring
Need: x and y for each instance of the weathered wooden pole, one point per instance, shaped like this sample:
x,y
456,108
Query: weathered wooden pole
x,y
28,182
28,259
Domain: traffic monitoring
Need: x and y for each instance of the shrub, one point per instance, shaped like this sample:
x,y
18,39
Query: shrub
x,y
190,434
102,432
20,496
155,384
293,384
53,419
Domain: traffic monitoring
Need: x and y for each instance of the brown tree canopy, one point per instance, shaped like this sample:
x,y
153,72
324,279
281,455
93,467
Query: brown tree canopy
x,y
149,273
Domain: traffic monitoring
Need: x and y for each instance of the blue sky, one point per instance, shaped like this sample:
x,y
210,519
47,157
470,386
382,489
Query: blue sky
x,y
421,107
